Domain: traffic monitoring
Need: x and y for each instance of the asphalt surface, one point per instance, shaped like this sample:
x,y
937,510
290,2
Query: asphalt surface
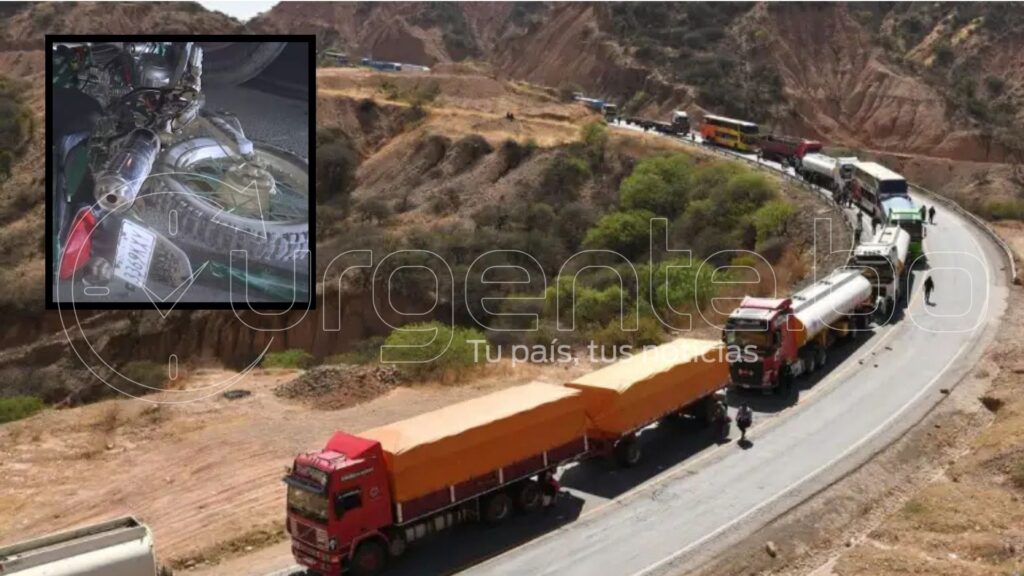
x,y
691,497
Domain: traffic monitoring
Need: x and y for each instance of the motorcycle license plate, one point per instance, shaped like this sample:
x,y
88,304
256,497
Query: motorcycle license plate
x,y
135,247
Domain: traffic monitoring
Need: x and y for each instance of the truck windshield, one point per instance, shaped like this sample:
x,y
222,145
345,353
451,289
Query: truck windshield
x,y
762,339
309,504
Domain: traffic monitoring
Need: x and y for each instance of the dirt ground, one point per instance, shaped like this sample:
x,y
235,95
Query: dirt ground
x,y
205,476
947,499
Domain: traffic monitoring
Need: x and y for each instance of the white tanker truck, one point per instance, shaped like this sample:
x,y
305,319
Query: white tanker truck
x,y
826,171
792,335
122,547
884,263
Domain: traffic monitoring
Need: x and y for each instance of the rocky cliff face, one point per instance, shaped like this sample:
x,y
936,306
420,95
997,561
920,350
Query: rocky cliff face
x,y
941,80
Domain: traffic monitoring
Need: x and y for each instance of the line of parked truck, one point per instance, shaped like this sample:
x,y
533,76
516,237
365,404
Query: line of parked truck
x,y
362,499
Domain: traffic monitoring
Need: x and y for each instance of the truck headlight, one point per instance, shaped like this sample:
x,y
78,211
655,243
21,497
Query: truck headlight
x,y
332,544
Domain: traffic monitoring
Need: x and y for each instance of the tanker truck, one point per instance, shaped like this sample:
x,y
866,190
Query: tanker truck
x,y
826,171
121,547
884,263
792,335
361,500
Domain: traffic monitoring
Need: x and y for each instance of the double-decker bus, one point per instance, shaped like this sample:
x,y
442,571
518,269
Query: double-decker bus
x,y
901,211
872,183
730,133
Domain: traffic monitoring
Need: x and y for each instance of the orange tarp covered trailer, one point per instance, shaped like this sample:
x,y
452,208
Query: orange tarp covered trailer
x,y
439,449
637,390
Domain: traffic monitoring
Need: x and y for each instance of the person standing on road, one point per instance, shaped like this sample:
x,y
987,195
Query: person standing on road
x,y
744,419
929,287
549,488
931,215
874,225
924,213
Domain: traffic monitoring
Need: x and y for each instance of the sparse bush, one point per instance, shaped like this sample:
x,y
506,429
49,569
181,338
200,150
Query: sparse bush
x,y
336,163
365,351
1017,473
374,210
433,349
151,376
15,125
18,407
944,55
293,358
563,179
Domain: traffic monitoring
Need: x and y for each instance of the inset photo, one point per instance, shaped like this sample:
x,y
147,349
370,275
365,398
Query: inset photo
x,y
178,171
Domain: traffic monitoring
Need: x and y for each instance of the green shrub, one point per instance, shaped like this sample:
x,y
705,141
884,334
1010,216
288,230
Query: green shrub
x,y
648,192
433,348
595,137
293,358
649,332
772,218
18,407
627,233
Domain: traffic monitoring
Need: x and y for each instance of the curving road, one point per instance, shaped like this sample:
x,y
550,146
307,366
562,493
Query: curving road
x,y
885,384
692,498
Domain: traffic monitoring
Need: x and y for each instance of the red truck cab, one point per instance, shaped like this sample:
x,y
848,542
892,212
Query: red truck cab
x,y
761,335
786,149
339,507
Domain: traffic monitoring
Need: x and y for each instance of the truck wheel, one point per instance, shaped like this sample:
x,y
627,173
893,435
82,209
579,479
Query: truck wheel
x,y
822,355
369,559
496,508
528,496
627,453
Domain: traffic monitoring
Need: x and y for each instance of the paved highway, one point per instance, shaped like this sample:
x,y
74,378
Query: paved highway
x,y
692,498
888,382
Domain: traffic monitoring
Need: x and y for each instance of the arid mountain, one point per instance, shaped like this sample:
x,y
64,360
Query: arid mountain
x,y
934,79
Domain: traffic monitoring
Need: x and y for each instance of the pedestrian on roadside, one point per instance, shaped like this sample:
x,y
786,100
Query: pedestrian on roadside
x,y
549,489
874,225
931,215
929,287
924,213
744,420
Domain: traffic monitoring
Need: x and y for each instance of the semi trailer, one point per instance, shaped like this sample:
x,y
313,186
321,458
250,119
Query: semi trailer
x,y
786,149
884,263
362,499
827,171
121,547
792,335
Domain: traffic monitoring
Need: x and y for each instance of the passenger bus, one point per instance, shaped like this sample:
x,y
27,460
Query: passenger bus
x,y
730,133
901,211
872,183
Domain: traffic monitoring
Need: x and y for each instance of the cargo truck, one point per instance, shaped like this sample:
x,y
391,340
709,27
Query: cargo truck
x,y
121,547
822,170
792,335
363,499
901,211
681,122
786,150
884,261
